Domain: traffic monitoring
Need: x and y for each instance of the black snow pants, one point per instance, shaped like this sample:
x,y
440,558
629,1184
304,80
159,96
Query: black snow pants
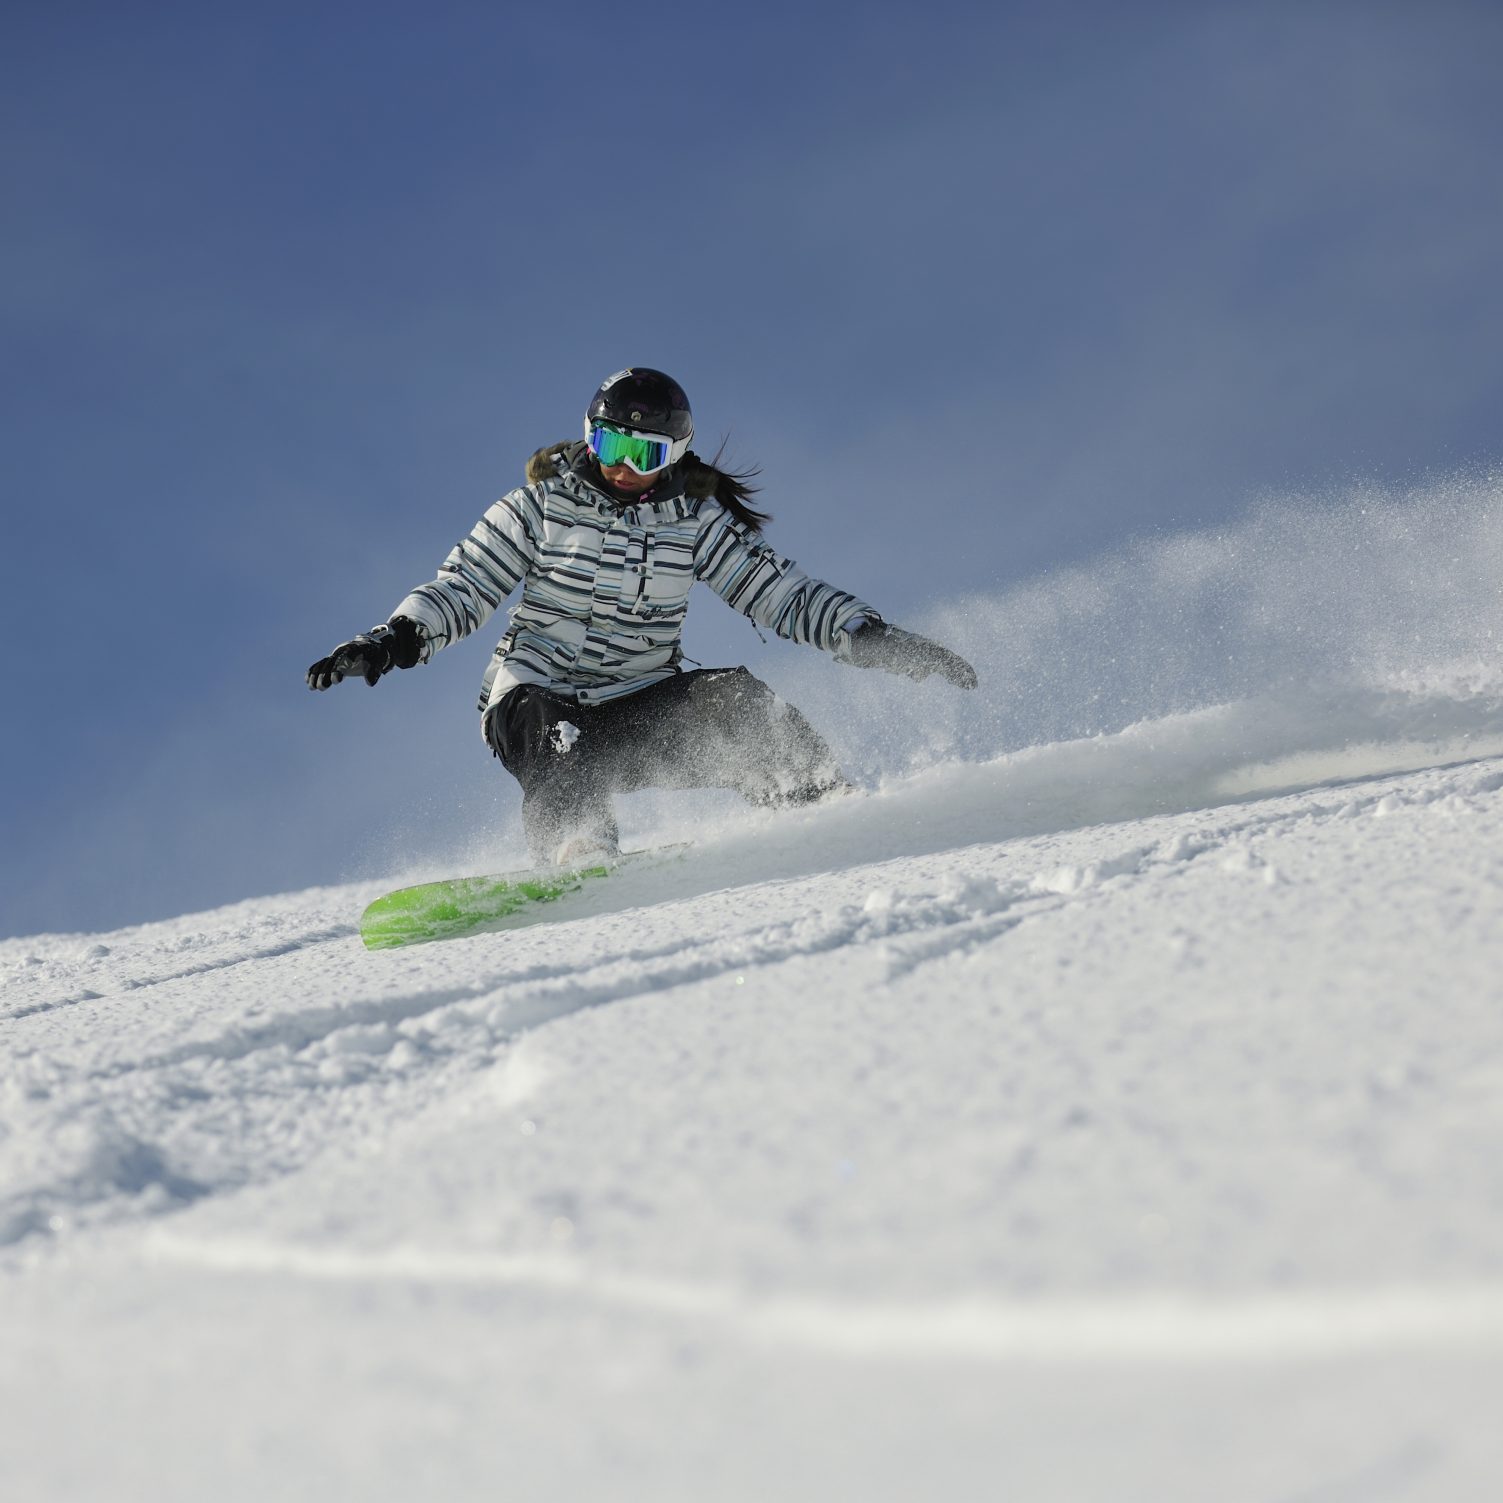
x,y
711,728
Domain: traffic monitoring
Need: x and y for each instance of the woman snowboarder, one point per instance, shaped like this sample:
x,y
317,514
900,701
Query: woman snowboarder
x,y
585,697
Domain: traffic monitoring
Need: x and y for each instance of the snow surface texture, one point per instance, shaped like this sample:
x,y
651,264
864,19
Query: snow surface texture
x,y
1119,1117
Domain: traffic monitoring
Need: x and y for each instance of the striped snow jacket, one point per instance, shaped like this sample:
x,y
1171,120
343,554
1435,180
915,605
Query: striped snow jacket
x,y
605,584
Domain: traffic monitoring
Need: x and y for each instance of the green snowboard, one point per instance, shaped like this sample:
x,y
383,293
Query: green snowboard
x,y
470,905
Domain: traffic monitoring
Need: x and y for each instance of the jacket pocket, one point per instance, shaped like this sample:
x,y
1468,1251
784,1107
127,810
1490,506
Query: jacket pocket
x,y
630,655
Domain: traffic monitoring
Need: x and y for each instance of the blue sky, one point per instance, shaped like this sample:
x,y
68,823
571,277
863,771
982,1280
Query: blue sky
x,y
288,295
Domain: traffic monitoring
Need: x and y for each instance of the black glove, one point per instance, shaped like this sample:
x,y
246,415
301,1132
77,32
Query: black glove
x,y
396,644
875,644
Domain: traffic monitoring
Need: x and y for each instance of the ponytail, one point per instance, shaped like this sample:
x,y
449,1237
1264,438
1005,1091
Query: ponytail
x,y
731,488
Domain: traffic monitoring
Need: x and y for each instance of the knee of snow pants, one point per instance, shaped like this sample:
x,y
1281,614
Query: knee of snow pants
x,y
564,792
762,746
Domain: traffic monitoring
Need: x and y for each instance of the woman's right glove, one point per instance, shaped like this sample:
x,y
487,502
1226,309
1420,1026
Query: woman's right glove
x,y
397,643
875,644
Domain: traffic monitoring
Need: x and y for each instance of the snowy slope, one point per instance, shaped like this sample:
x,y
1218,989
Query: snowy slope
x,y
1107,1105
1120,1118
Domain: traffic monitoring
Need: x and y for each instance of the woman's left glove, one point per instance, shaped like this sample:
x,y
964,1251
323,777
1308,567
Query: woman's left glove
x,y
875,644
397,643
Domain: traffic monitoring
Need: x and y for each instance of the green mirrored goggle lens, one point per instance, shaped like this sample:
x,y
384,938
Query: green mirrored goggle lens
x,y
611,447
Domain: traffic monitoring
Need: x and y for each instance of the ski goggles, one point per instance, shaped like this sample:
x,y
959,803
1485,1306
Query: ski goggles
x,y
646,453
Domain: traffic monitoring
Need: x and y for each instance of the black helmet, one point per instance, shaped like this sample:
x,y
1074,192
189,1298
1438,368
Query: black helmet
x,y
645,400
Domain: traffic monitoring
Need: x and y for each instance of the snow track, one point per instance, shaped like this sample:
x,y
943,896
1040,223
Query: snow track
x,y
1155,1328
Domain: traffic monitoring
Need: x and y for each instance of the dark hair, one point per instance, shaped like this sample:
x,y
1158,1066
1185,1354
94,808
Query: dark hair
x,y
731,488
